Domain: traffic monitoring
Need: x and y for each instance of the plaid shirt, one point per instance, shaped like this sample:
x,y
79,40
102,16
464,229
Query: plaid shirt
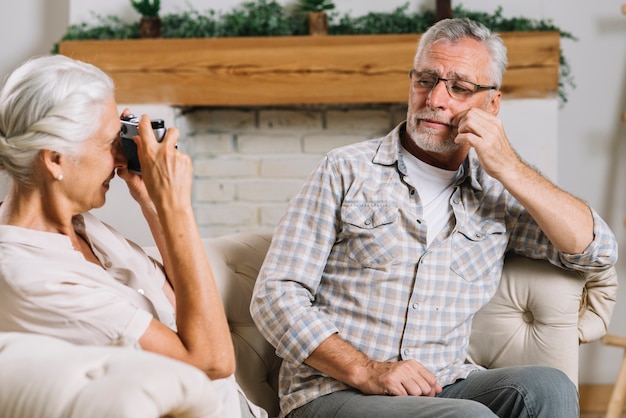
x,y
350,257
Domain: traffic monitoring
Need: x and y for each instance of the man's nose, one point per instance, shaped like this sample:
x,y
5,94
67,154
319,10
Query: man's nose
x,y
438,95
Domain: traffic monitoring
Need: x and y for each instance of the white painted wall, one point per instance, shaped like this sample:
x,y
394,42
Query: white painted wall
x,y
581,146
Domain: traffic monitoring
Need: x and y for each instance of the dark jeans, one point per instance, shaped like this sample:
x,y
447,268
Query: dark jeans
x,y
527,391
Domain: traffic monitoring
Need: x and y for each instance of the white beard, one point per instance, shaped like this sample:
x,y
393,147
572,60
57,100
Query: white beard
x,y
425,139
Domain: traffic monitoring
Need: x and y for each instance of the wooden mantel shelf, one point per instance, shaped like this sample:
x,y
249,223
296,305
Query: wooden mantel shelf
x,y
342,69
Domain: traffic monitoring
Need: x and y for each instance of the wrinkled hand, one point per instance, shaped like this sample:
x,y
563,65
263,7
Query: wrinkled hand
x,y
166,172
408,377
485,133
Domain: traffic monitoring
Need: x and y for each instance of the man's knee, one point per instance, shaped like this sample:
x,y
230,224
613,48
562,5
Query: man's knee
x,y
545,379
545,392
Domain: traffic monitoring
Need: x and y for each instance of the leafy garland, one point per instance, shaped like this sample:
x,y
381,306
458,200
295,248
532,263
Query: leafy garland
x,y
269,18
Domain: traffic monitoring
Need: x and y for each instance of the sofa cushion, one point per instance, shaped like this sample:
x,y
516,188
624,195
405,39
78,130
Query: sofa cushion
x,y
235,261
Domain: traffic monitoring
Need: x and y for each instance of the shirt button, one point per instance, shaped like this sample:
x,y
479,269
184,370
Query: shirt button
x,y
140,291
455,201
407,351
368,222
416,305
108,264
412,192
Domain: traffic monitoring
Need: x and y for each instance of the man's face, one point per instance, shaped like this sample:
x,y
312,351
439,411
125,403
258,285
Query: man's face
x,y
430,115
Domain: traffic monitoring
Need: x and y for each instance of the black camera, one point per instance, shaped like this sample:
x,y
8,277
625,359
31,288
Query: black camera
x,y
129,130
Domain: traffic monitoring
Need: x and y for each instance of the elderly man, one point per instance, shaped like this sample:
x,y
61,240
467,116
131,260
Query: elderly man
x,y
393,244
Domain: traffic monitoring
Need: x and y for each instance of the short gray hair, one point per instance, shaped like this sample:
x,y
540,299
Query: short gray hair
x,y
456,29
51,102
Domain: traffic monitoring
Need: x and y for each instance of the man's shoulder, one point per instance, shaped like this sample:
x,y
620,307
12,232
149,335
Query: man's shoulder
x,y
360,148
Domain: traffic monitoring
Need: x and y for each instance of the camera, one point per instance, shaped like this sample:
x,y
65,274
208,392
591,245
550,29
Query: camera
x,y
129,130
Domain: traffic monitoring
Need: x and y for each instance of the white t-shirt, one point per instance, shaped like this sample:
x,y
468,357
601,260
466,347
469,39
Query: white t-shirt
x,y
47,287
435,186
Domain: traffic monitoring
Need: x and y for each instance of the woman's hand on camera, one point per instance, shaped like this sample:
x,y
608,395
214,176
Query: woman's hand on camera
x,y
135,183
167,173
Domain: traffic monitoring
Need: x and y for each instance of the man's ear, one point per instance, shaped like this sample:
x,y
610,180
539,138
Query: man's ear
x,y
493,106
52,162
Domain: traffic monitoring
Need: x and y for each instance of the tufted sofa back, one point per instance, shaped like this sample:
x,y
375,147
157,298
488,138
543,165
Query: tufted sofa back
x,y
236,260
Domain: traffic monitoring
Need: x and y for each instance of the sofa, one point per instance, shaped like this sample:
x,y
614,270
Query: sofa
x,y
539,315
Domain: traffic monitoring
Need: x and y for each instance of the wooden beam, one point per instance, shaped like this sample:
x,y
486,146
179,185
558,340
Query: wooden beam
x,y
293,69
443,9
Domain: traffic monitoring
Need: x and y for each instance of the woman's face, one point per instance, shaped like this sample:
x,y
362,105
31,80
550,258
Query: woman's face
x,y
86,176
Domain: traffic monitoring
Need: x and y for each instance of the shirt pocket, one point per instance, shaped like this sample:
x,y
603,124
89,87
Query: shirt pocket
x,y
370,232
477,248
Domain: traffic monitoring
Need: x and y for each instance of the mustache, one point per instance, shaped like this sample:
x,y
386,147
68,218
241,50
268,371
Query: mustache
x,y
433,117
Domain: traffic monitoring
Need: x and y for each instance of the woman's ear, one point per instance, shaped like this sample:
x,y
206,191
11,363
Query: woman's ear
x,y
52,163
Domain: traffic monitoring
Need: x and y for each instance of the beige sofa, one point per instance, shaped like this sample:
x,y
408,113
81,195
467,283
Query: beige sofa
x,y
539,315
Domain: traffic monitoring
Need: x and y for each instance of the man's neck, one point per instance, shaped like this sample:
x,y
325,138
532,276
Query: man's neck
x,y
444,161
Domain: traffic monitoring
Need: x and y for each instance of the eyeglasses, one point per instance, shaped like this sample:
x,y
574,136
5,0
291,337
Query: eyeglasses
x,y
457,89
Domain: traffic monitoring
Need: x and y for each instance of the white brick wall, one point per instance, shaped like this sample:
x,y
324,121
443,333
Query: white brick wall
x,y
249,162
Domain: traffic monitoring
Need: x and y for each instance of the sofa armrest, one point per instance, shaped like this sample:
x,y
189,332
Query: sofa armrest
x,y
536,315
597,304
45,377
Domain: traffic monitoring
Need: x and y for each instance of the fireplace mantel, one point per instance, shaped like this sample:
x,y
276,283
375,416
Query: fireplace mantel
x,y
291,70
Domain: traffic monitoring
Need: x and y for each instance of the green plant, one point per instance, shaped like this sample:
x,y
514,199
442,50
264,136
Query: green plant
x,y
190,24
315,5
397,21
109,27
260,18
147,8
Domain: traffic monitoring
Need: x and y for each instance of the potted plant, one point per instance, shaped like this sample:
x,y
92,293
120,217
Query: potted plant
x,y
316,15
150,26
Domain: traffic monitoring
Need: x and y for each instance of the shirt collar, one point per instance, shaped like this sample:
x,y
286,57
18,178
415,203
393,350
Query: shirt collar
x,y
388,153
389,149
472,172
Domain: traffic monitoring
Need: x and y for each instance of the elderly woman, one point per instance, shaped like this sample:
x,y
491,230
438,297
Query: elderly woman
x,y
66,274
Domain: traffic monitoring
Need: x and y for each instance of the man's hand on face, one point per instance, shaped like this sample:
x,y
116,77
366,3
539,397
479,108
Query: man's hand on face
x,y
484,132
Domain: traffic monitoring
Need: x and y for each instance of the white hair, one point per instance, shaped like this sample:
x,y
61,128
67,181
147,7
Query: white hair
x,y
456,29
51,102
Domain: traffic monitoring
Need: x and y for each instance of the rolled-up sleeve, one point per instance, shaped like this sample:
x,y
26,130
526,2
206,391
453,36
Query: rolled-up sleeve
x,y
600,254
282,303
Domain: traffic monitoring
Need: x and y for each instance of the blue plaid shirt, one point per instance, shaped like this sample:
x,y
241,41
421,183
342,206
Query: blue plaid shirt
x,y
350,257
